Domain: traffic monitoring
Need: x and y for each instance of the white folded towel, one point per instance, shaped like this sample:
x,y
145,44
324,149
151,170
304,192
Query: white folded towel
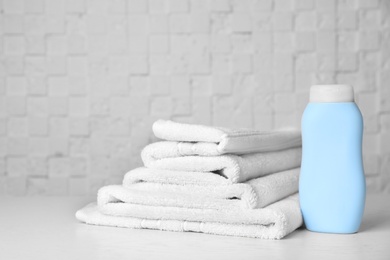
x,y
143,174
217,140
236,168
273,222
256,193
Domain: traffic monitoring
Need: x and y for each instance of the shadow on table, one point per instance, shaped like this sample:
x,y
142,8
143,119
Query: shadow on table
x,y
375,219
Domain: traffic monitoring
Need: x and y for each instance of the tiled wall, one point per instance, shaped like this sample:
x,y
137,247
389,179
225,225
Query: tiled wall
x,y
81,81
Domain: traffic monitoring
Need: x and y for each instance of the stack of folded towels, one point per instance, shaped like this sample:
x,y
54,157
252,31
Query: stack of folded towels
x,y
206,179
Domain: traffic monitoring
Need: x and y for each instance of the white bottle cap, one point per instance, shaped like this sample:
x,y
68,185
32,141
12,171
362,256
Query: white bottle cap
x,y
331,93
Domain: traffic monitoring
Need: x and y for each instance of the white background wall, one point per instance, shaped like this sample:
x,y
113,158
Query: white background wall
x,y
81,81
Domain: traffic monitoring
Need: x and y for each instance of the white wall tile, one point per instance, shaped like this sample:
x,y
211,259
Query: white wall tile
x,y
16,186
34,6
38,146
17,145
14,45
13,23
37,166
241,22
78,186
17,166
17,126
57,186
15,105
16,85
36,186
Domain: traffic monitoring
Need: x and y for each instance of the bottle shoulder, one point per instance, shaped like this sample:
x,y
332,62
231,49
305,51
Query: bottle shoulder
x,y
332,111
336,118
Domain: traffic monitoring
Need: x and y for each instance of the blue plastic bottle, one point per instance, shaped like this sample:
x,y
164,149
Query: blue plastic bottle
x,y
332,185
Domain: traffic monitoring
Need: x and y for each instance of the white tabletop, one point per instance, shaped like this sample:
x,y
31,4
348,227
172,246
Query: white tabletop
x,y
45,228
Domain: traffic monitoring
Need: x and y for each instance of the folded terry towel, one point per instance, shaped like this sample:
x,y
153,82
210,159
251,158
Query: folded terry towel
x,y
143,174
217,140
256,193
236,168
273,222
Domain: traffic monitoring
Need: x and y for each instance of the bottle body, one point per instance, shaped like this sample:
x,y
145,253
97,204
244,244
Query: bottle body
x,y
332,183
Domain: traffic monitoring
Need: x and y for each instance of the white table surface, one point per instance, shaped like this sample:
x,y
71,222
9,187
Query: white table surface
x,y
45,228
